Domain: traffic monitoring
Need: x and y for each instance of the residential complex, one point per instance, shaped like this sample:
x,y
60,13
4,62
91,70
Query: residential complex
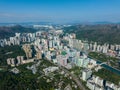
x,y
65,51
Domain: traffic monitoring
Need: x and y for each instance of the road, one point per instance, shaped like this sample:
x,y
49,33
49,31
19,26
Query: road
x,y
75,78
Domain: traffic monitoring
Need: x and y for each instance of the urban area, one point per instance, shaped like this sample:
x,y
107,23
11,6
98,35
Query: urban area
x,y
63,62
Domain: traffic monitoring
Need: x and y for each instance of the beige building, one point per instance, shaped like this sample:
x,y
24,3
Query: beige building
x,y
28,50
20,60
11,61
39,55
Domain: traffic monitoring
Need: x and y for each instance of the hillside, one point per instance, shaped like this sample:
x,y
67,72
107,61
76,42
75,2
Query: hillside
x,y
6,31
101,33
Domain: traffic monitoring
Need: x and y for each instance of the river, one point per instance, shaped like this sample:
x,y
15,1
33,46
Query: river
x,y
109,68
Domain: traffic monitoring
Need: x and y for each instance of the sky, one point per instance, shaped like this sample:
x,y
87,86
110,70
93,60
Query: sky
x,y
59,10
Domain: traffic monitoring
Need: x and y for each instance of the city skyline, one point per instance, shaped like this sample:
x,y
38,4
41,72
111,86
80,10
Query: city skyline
x,y
59,10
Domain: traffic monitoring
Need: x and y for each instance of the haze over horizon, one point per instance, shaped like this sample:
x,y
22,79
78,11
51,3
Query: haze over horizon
x,y
59,10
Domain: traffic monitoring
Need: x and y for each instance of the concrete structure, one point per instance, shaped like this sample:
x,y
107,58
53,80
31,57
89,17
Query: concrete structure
x,y
28,61
82,62
39,55
15,70
11,61
62,59
50,69
20,60
28,50
86,74
97,87
90,85
98,80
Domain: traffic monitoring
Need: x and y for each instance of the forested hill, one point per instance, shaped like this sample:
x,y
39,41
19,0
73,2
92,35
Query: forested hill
x,y
6,31
100,33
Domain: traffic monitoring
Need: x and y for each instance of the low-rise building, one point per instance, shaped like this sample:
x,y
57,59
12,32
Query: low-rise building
x,y
15,70
90,85
98,80
50,69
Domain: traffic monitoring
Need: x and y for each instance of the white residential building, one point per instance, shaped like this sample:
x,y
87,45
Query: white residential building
x,y
86,74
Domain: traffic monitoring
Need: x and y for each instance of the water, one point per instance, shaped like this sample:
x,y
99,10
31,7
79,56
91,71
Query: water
x,y
109,68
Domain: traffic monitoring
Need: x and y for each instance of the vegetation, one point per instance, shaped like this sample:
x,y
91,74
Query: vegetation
x,y
104,73
112,61
101,33
6,32
108,75
76,70
98,56
25,80
10,52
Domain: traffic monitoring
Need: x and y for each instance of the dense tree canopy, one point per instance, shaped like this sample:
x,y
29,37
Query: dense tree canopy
x,y
6,32
100,33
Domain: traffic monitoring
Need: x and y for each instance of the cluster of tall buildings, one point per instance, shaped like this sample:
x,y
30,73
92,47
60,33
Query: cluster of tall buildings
x,y
64,50
11,41
58,49
15,61
11,61
97,83
20,38
28,50
112,50
94,82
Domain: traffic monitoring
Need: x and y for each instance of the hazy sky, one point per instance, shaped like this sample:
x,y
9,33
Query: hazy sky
x,y
59,10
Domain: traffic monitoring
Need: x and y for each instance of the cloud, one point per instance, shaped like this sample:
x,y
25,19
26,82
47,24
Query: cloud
x,y
6,15
21,17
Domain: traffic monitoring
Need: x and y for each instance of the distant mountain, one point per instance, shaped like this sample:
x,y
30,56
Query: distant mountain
x,y
25,23
7,31
105,22
91,23
103,33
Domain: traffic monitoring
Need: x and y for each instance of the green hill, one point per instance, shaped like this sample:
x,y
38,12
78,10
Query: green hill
x,y
6,31
101,33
